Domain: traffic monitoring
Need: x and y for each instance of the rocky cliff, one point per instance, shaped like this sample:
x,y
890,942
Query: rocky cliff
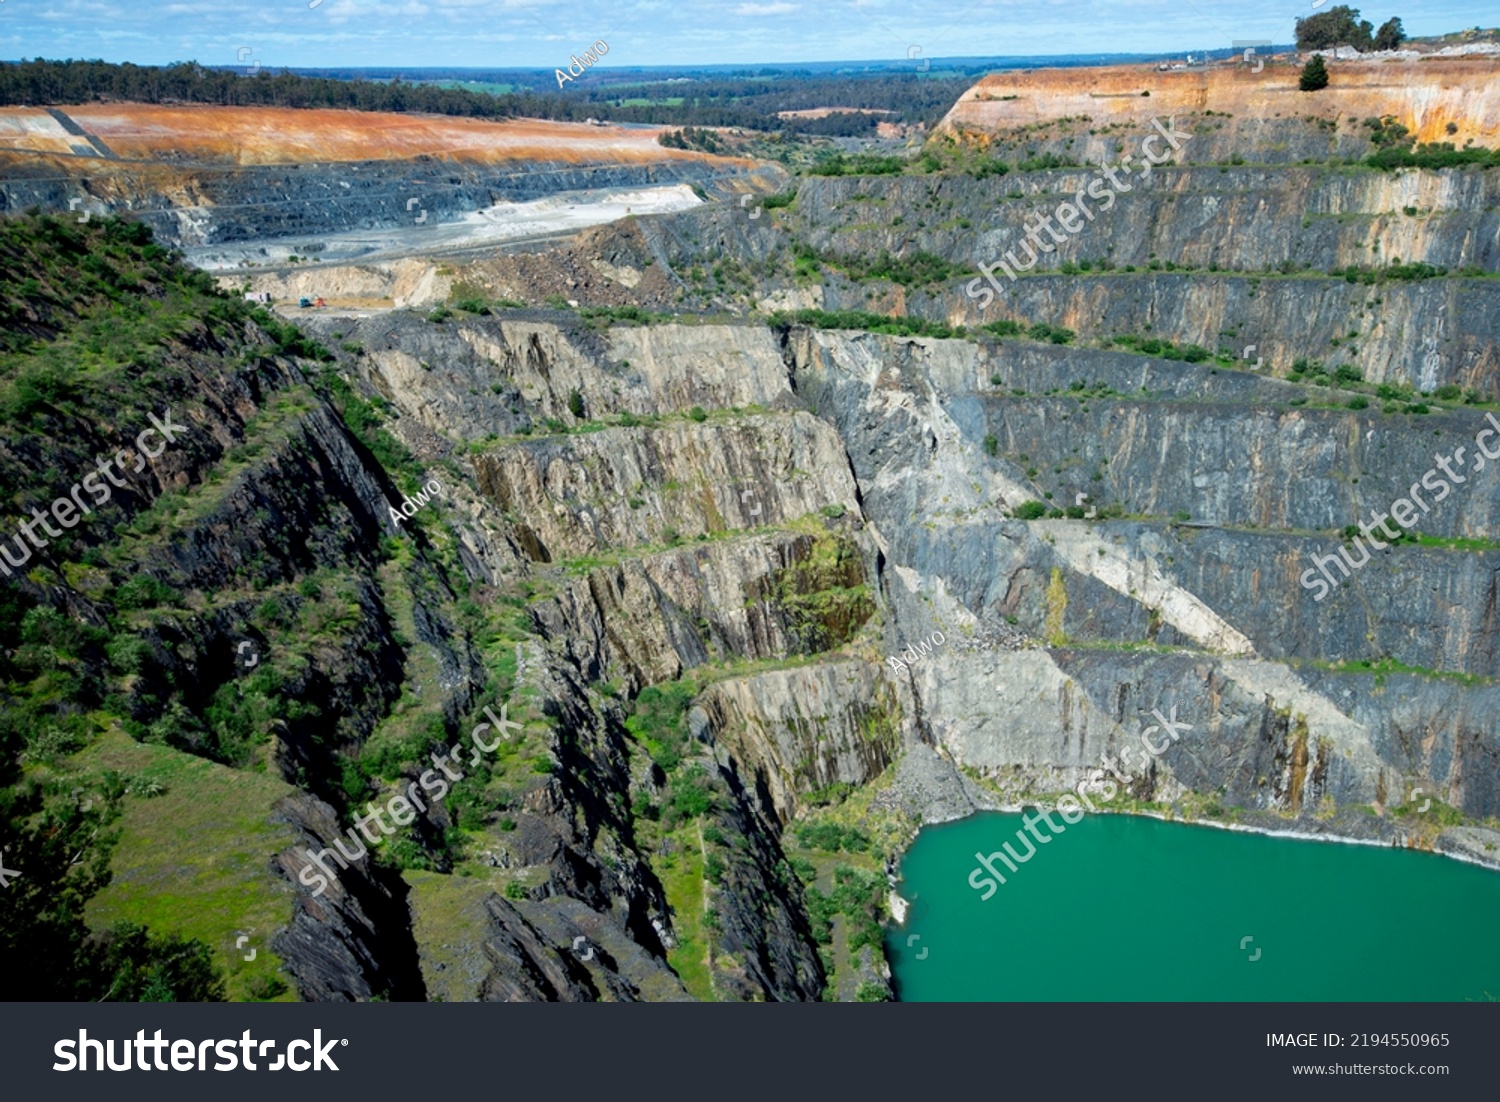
x,y
1254,95
760,595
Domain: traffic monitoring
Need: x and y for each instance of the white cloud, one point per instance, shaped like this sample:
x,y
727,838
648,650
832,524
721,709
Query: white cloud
x,y
766,9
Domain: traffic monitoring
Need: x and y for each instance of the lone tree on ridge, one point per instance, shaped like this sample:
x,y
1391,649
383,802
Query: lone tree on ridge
x,y
1314,75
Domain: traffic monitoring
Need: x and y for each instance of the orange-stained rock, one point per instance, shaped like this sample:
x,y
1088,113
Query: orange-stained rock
x,y
275,135
1423,95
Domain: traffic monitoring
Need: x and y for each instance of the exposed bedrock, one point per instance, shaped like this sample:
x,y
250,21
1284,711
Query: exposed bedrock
x,y
352,940
791,732
213,206
906,412
797,545
1261,243
1236,217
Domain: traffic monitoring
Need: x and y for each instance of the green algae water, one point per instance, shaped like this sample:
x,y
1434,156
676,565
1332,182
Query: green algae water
x,y
1123,907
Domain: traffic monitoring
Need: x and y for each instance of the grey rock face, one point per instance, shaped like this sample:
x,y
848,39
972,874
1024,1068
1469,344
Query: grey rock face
x,y
253,202
353,940
843,499
1274,737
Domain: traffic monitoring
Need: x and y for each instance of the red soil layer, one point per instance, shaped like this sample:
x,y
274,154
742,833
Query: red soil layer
x,y
277,135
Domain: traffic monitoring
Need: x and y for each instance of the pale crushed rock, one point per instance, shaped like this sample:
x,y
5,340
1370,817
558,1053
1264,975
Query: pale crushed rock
x,y
1463,49
1000,636
1470,49
625,276
961,629
898,907
930,788
791,298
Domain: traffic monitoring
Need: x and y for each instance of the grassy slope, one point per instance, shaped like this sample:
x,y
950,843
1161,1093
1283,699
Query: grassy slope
x,y
93,319
193,861
681,875
446,910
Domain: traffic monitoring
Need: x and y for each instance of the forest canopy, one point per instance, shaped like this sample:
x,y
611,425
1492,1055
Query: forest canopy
x,y
748,101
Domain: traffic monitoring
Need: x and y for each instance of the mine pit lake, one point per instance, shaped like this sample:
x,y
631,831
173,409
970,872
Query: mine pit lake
x,y
1130,908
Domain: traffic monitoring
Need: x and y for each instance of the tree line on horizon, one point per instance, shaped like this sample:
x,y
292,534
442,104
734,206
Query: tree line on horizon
x,y
731,101
1342,26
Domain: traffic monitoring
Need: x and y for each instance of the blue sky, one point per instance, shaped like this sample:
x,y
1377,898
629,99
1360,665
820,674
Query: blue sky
x,y
541,33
